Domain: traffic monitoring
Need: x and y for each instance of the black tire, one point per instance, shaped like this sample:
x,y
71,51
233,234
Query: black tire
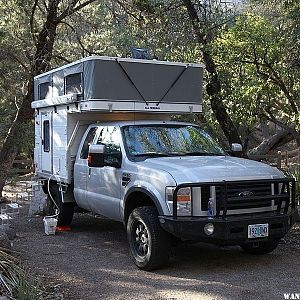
x,y
149,244
260,248
66,210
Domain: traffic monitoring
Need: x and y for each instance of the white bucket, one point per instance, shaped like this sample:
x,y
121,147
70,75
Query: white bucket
x,y
50,225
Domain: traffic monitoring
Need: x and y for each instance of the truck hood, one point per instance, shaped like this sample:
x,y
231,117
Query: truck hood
x,y
211,168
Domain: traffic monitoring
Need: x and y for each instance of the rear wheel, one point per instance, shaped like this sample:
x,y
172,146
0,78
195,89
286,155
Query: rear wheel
x,y
66,210
149,244
260,247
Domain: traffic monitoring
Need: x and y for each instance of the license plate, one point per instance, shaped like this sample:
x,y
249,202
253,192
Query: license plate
x,y
258,230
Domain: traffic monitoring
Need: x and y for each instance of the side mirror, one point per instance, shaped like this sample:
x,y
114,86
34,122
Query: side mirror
x,y
235,147
96,156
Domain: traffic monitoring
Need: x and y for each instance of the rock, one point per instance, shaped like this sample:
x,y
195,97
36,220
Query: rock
x,y
5,242
3,200
38,203
10,232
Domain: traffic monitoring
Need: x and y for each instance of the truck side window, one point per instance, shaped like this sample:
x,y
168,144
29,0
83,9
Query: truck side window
x,y
46,135
88,140
110,136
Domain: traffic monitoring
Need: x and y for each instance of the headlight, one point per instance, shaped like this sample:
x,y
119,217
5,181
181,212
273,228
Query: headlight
x,y
184,197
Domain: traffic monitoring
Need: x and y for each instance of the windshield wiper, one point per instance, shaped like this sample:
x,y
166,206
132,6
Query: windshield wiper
x,y
165,154
152,154
202,154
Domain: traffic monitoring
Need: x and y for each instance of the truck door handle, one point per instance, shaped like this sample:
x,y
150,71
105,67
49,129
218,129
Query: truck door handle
x,y
90,172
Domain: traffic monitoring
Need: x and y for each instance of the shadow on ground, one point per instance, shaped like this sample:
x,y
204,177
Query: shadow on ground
x,y
92,262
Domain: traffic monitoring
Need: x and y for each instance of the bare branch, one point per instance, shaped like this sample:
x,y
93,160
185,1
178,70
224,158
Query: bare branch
x,y
138,18
18,60
269,116
32,20
273,75
79,40
58,56
278,139
280,83
72,8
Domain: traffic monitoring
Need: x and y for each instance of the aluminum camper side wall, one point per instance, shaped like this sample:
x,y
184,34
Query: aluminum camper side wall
x,y
58,157
50,156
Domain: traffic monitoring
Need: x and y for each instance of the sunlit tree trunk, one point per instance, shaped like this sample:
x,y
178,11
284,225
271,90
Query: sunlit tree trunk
x,y
213,81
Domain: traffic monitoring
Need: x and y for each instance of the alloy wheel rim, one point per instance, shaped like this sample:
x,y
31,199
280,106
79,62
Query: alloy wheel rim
x,y
141,239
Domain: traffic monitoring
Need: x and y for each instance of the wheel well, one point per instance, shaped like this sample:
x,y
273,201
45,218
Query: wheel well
x,y
51,186
45,188
134,200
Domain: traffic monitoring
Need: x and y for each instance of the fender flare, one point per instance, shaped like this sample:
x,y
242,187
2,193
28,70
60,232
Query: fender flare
x,y
146,192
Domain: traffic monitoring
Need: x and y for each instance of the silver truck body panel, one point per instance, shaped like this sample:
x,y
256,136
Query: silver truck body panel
x,y
101,190
211,168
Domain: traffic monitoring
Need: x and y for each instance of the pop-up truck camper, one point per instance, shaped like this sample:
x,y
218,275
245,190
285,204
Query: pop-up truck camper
x,y
105,143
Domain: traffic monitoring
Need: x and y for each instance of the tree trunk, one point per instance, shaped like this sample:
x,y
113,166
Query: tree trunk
x,y
213,84
24,115
280,138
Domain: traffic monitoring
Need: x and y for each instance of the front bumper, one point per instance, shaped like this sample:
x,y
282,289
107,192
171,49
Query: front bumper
x,y
233,230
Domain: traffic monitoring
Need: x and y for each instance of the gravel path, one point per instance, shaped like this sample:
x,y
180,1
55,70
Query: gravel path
x,y
92,262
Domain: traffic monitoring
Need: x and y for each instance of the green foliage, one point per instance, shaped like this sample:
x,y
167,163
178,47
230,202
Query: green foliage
x,y
244,47
109,28
259,79
16,282
15,53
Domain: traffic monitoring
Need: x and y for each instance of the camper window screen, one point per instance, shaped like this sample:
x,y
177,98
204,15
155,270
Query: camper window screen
x,y
46,133
73,84
44,88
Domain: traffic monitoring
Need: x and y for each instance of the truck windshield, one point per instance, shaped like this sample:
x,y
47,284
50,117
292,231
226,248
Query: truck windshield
x,y
168,140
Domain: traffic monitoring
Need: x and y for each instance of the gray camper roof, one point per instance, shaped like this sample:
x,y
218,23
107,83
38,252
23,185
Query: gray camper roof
x,y
122,79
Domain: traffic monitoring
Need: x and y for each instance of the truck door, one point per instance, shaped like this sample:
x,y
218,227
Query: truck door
x,y
81,169
46,145
104,184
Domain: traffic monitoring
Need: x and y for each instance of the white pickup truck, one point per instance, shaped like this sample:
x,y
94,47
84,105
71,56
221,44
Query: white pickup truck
x,y
164,180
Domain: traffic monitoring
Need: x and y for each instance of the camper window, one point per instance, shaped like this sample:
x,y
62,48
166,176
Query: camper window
x,y
46,133
44,89
73,84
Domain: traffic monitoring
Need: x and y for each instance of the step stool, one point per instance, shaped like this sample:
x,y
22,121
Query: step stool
x,y
11,209
5,218
22,197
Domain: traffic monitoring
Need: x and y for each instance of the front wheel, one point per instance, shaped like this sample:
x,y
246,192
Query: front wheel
x,y
260,247
149,244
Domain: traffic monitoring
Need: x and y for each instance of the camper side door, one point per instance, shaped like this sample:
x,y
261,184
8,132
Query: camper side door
x,y
46,142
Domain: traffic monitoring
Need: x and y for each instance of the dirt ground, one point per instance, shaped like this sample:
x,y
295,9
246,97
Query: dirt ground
x,y
92,262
